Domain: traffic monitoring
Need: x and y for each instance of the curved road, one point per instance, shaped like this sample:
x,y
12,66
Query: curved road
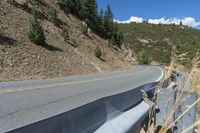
x,y
25,102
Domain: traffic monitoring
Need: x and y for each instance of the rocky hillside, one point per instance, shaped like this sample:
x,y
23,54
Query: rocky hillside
x,y
157,41
20,59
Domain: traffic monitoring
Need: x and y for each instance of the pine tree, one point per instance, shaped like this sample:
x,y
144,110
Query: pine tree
x,y
108,22
100,21
77,7
83,10
91,13
181,23
35,31
70,5
117,37
98,52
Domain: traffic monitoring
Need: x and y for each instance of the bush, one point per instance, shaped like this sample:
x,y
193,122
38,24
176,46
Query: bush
x,y
65,34
84,29
98,52
61,3
144,59
54,17
35,31
117,39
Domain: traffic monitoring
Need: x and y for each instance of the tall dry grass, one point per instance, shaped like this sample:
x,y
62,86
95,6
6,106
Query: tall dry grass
x,y
192,77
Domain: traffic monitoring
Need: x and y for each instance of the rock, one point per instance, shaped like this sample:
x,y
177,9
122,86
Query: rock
x,y
89,33
21,2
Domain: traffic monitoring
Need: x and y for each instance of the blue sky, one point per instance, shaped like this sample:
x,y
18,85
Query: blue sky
x,y
168,10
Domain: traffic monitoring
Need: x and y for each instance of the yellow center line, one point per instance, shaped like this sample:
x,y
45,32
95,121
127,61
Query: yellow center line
x,y
64,84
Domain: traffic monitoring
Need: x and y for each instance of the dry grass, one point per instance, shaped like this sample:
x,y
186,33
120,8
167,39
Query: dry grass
x,y
192,77
192,126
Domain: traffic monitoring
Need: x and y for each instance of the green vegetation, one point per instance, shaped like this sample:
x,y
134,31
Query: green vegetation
x,y
144,59
157,41
101,23
65,34
117,39
35,31
84,29
54,17
98,52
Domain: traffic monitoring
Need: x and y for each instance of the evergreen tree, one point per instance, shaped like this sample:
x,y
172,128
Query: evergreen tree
x,y
117,37
70,5
83,10
101,15
181,23
77,7
98,52
91,13
108,22
100,21
35,31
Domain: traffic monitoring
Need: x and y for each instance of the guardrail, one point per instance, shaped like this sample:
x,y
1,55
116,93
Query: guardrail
x,y
88,118
94,117
172,96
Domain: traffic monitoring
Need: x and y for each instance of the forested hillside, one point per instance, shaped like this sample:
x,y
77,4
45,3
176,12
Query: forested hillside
x,y
157,41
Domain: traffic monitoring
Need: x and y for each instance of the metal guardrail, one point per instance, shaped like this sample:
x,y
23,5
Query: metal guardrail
x,y
100,115
166,102
88,118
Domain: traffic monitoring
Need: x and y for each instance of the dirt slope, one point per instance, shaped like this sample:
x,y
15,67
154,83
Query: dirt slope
x,y
22,60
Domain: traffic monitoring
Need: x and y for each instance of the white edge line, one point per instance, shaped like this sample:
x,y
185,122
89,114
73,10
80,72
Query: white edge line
x,y
162,74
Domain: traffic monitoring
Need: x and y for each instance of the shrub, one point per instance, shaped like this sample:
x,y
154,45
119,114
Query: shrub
x,y
84,29
144,59
117,39
54,17
65,34
34,12
98,52
35,31
61,3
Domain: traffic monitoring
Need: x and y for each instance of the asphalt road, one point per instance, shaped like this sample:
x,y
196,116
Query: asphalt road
x,y
25,102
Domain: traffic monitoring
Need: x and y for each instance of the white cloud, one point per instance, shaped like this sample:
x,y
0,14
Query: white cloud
x,y
186,21
132,19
